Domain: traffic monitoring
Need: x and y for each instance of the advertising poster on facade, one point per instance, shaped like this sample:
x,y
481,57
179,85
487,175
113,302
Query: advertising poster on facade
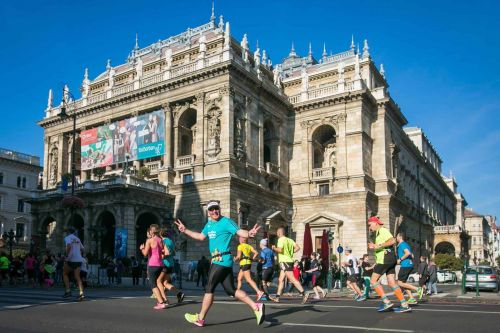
x,y
120,242
130,139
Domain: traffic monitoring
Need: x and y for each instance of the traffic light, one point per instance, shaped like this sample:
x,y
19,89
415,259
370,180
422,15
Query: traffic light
x,y
330,235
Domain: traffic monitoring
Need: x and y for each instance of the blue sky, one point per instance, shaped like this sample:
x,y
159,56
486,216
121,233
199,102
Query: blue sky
x,y
440,59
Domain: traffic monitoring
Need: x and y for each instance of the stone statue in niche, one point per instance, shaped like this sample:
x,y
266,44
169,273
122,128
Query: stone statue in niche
x,y
54,161
239,138
330,158
214,128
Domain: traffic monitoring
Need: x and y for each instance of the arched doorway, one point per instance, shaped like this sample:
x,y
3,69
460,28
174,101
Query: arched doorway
x,y
78,224
107,223
143,222
445,248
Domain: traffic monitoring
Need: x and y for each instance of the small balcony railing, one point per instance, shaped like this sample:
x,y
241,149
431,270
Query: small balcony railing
x,y
323,173
185,161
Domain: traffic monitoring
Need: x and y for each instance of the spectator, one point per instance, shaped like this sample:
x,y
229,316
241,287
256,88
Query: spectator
x,y
202,271
110,270
192,269
4,267
120,269
136,270
423,272
432,282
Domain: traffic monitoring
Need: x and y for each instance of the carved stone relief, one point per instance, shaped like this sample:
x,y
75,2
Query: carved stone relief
x,y
54,161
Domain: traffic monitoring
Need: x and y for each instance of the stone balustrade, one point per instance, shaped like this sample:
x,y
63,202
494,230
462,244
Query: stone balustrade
x,y
153,167
323,91
185,161
97,98
323,173
445,229
184,69
123,89
150,80
272,169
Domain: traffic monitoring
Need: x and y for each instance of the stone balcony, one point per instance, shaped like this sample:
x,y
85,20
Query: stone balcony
x,y
325,91
185,162
447,229
153,167
272,170
323,173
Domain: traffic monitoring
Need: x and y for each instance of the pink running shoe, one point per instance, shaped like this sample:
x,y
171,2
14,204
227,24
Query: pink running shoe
x,y
160,306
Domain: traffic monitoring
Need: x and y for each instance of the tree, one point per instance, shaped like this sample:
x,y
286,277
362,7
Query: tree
x,y
143,172
99,172
448,261
498,261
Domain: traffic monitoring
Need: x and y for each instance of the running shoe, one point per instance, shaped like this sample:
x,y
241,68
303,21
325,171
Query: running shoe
x,y
81,297
412,301
264,298
324,294
305,297
160,306
260,295
180,297
66,294
316,297
385,306
420,293
275,299
402,309
361,298
260,313
193,319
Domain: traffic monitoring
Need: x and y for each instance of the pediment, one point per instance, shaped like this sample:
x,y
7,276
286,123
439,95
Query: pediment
x,y
322,219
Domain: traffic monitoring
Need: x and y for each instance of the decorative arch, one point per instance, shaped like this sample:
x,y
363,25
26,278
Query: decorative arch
x,y
324,146
445,248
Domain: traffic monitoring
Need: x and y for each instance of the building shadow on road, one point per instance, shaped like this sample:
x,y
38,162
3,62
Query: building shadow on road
x,y
272,318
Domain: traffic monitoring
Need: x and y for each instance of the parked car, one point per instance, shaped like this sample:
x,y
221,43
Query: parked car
x,y
487,278
446,276
413,277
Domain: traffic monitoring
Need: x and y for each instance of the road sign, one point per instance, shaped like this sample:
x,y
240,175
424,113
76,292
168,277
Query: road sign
x,y
340,249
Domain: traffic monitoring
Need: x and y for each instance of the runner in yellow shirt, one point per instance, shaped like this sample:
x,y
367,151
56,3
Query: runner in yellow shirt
x,y
244,255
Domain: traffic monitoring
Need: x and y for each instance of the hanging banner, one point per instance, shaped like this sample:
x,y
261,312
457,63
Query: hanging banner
x,y
130,139
121,235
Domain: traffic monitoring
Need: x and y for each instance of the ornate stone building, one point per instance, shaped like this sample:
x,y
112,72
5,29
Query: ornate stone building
x,y
19,175
308,140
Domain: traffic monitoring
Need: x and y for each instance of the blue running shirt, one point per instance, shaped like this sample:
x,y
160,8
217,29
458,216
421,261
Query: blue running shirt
x,y
219,235
268,256
408,262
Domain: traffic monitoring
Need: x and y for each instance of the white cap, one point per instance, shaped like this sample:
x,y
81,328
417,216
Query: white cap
x,y
212,204
263,242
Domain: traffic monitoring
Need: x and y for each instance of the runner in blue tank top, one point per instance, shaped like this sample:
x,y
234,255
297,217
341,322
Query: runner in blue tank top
x,y
168,261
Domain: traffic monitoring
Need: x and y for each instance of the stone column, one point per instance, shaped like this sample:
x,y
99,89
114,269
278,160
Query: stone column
x,y
199,139
167,158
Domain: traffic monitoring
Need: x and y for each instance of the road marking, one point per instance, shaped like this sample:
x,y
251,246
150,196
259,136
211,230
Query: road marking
x,y
350,327
15,307
362,307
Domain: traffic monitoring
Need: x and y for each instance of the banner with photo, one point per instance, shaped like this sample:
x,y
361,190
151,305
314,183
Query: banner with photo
x,y
138,137
121,235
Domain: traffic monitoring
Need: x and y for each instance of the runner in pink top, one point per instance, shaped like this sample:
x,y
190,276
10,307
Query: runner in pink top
x,y
29,265
153,248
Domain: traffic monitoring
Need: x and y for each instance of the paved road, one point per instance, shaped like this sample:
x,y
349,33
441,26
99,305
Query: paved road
x,y
26,310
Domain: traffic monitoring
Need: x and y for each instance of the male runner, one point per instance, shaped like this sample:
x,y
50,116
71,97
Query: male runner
x,y
405,259
385,259
168,261
267,259
220,230
73,262
285,248
351,265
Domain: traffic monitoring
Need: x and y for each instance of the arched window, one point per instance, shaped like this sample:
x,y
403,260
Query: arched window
x,y
271,143
187,132
324,147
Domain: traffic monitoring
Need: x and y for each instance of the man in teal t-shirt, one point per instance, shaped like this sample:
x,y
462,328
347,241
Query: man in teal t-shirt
x,y
168,261
220,230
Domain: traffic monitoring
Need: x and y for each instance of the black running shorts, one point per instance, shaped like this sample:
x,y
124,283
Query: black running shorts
x,y
267,274
74,264
286,266
220,274
404,273
245,267
154,273
382,269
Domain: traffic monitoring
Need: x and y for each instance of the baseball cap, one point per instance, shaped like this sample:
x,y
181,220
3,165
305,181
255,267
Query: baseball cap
x,y
375,219
263,242
347,248
212,204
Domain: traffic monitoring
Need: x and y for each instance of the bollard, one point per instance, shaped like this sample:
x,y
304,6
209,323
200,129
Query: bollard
x,y
477,283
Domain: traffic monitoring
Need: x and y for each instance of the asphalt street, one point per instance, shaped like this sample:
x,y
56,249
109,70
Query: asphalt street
x,y
27,310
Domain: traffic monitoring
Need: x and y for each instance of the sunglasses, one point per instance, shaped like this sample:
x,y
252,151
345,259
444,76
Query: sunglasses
x,y
214,208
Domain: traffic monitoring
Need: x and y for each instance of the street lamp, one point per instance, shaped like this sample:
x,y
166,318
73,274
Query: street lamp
x,y
10,238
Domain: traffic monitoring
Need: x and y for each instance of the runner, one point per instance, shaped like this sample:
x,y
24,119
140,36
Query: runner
x,y
385,264
73,262
285,249
315,270
220,230
153,248
351,266
243,255
367,273
267,260
168,261
405,259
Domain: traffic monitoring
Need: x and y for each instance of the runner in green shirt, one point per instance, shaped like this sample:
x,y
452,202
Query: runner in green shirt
x,y
285,249
385,263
